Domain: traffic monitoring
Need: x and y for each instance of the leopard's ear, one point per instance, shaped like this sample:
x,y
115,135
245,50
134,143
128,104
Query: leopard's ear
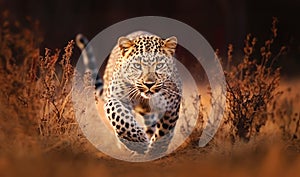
x,y
125,44
170,45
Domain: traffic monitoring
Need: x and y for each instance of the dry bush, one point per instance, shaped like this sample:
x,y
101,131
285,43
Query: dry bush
x,y
36,109
252,86
57,125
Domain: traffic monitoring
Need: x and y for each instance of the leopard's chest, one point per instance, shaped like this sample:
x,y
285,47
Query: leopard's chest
x,y
156,104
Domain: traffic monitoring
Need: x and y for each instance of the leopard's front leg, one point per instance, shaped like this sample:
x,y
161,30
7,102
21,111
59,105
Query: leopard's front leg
x,y
164,132
127,129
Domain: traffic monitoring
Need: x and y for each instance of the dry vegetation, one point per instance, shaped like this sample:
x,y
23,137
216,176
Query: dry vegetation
x,y
252,86
40,137
35,92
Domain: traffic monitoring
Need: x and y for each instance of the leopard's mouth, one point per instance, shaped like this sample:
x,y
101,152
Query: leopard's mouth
x,y
147,94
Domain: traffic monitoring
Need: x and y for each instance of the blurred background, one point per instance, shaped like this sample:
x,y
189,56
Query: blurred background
x,y
220,21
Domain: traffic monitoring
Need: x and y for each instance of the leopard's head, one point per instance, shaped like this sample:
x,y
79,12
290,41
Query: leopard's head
x,y
147,63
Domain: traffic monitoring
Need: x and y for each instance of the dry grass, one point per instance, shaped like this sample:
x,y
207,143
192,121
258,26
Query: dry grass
x,y
36,106
40,137
252,86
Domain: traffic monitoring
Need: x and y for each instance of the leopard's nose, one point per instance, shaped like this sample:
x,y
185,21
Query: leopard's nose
x,y
149,84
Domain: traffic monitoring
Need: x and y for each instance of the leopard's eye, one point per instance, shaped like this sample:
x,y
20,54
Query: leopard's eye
x,y
137,65
159,65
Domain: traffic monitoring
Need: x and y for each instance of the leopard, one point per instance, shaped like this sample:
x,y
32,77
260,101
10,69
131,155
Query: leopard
x,y
140,82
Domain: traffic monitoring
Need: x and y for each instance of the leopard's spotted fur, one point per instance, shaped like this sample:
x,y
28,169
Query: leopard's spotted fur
x,y
141,80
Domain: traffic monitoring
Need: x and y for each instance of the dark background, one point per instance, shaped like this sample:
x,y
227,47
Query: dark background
x,y
220,21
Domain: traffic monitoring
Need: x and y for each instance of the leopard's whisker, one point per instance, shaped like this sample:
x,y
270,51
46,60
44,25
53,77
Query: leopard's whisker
x,y
133,94
173,92
131,89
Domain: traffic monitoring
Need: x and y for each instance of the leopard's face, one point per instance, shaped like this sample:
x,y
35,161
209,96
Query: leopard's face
x,y
147,62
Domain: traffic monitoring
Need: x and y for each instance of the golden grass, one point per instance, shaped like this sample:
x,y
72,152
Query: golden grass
x,y
40,137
